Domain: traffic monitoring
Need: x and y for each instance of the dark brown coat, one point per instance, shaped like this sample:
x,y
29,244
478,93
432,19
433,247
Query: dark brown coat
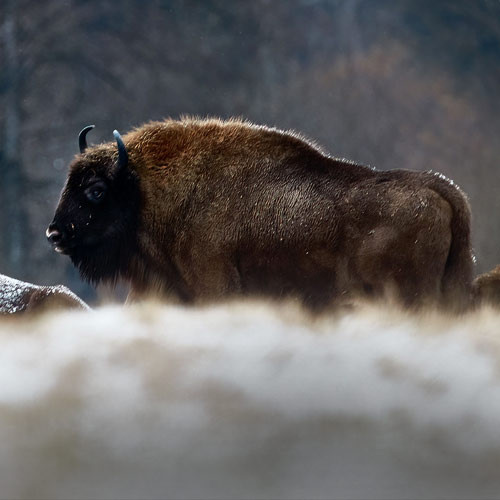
x,y
487,287
207,209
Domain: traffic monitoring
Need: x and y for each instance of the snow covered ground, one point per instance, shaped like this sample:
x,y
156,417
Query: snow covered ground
x,y
249,401
18,297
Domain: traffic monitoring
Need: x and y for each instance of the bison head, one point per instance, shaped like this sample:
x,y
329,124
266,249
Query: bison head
x,y
96,220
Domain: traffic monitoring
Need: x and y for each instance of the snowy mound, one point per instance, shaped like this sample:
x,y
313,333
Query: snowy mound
x,y
18,296
249,401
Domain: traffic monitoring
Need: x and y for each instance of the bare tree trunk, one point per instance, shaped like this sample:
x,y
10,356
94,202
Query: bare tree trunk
x,y
12,185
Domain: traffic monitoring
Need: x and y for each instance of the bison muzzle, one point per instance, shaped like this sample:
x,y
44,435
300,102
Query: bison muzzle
x,y
206,209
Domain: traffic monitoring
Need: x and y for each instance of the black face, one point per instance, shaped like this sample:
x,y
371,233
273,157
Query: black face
x,y
97,218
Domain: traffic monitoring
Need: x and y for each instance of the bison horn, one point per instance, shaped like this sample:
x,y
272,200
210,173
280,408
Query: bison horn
x,y
122,150
82,137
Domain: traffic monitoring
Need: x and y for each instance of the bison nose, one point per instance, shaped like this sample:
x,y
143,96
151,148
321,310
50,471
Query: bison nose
x,y
53,235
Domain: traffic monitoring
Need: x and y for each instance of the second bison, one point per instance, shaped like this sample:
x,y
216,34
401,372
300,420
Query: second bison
x,y
205,209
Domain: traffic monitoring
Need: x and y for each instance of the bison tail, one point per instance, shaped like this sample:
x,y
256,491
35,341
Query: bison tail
x,y
486,287
456,287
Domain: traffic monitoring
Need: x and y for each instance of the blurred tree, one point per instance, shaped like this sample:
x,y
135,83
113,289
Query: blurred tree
x,y
13,219
409,84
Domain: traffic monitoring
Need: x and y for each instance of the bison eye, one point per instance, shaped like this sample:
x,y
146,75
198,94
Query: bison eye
x,y
95,193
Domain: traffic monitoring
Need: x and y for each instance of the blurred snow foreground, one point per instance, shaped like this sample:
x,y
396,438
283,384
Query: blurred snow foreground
x,y
249,401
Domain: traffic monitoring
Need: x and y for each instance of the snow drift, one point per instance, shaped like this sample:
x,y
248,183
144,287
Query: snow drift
x,y
18,297
249,401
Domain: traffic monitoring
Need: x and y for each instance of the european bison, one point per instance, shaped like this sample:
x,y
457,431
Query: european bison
x,y
204,209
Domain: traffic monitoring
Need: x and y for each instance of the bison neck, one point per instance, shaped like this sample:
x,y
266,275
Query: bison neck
x,y
153,274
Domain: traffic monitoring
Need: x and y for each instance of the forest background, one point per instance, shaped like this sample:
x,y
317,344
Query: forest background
x,y
393,84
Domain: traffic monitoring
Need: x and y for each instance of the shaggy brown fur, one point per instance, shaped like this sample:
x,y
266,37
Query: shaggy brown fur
x,y
207,209
487,287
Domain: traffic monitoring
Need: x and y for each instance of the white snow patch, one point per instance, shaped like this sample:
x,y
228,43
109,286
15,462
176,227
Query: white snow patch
x,y
15,295
11,292
250,401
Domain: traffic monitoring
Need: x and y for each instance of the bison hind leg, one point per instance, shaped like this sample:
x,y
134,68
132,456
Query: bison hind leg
x,y
404,266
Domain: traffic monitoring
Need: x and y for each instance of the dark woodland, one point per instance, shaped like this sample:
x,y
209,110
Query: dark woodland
x,y
391,84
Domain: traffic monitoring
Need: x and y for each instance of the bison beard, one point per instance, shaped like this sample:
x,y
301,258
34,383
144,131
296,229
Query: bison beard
x,y
207,209
105,262
110,258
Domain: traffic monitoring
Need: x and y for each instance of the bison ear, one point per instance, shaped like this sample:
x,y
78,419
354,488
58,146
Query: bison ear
x,y
122,150
82,137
